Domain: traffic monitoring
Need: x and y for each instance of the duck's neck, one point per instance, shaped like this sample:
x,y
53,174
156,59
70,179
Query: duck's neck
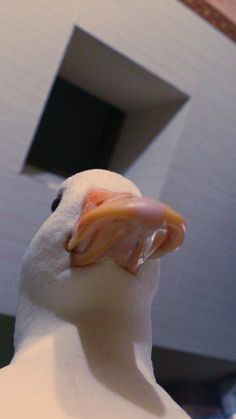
x,y
99,339
103,343
109,324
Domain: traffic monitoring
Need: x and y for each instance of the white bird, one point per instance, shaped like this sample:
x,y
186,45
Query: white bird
x,y
83,326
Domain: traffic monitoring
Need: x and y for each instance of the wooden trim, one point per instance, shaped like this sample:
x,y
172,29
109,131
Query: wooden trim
x,y
214,15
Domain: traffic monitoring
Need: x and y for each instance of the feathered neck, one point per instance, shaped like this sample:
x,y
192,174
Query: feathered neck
x,y
111,314
106,346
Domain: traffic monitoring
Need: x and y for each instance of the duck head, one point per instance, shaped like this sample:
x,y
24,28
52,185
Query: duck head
x,y
101,242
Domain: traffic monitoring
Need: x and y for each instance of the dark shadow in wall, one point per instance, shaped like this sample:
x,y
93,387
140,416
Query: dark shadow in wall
x,y
77,131
7,324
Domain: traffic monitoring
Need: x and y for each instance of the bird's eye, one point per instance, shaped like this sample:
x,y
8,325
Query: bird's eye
x,y
56,202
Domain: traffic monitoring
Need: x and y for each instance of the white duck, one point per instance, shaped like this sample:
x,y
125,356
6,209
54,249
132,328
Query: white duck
x,y
83,326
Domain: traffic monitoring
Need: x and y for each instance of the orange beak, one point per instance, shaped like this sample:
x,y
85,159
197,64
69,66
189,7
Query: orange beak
x,y
125,228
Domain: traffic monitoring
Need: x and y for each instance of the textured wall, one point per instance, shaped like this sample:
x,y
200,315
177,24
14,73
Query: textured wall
x,y
194,310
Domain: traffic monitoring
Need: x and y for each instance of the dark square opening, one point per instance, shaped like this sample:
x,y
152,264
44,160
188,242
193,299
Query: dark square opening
x,y
103,111
77,131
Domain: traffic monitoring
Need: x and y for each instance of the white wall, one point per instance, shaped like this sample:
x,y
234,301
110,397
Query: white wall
x,y
194,310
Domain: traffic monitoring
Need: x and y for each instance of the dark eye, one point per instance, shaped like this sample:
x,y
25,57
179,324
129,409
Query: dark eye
x,y
56,202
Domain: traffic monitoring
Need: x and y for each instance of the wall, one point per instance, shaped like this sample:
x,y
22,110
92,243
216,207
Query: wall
x,y
194,310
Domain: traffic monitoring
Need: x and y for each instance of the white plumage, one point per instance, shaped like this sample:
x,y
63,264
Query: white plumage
x,y
83,333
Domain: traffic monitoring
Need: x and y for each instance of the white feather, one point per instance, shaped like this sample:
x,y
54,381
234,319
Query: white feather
x,y
83,335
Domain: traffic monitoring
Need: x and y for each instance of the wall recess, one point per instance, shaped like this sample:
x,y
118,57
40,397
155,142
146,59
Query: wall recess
x,y
77,131
94,94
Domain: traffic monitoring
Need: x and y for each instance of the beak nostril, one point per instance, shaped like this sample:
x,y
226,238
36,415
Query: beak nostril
x,y
97,197
94,199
